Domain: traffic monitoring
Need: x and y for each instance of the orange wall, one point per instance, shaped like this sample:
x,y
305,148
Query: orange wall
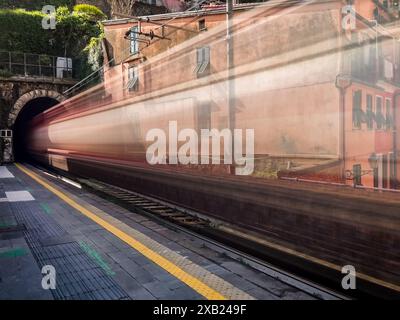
x,y
289,100
285,79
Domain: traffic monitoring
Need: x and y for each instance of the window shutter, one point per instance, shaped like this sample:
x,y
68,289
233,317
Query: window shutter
x,y
206,59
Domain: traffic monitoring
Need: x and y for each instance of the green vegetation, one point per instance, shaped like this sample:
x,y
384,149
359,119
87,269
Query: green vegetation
x,y
93,12
94,52
33,4
5,73
78,34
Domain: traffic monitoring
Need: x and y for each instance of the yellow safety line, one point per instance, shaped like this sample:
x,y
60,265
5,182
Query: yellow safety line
x,y
194,283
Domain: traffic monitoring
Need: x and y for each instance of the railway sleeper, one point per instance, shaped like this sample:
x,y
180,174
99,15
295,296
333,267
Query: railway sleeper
x,y
128,197
121,195
149,206
183,218
155,207
164,210
139,202
172,214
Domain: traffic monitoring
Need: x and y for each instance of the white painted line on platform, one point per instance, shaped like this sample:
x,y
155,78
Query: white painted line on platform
x,y
4,173
17,196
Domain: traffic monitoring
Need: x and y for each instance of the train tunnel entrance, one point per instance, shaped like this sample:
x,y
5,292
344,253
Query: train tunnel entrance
x,y
27,113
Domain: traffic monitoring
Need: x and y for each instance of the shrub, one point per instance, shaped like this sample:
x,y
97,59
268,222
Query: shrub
x,y
92,11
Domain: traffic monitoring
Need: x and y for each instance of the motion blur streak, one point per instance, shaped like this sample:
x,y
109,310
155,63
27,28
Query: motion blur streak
x,y
322,101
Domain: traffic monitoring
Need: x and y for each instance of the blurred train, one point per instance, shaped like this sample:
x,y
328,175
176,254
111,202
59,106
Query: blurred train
x,y
275,91
285,89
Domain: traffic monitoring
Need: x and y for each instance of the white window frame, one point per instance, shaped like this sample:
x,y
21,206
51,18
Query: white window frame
x,y
134,43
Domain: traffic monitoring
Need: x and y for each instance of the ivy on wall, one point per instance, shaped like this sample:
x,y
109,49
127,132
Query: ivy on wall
x,y
22,31
76,32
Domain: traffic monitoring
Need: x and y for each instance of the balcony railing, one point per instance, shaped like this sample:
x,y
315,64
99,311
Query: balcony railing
x,y
35,65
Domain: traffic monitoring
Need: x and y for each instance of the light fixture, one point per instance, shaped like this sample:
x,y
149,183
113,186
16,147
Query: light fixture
x,y
373,161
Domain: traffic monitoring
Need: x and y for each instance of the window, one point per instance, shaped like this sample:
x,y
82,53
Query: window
x,y
203,61
370,116
5,133
202,25
133,79
379,118
389,119
134,40
357,174
358,114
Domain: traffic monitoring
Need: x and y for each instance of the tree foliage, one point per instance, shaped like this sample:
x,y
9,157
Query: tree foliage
x,y
92,12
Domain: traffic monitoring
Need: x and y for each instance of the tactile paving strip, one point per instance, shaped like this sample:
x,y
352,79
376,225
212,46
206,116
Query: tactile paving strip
x,y
213,281
77,275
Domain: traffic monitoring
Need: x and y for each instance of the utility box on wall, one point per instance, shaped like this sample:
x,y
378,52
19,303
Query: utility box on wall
x,y
6,155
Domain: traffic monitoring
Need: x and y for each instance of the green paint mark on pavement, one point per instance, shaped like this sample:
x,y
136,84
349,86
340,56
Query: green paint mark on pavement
x,y
96,257
45,207
13,253
6,224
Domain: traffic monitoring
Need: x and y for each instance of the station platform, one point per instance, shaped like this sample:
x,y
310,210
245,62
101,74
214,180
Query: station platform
x,y
102,251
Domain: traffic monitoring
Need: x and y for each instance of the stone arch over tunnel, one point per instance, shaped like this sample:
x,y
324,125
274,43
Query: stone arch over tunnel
x,y
25,108
27,97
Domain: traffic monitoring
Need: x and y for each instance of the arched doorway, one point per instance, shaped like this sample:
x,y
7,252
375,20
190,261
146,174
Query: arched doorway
x,y
28,106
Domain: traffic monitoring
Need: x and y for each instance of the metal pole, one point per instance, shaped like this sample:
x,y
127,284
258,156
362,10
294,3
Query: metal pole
x,y
230,78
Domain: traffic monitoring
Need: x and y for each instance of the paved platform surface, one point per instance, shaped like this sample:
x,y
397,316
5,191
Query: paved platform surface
x,y
102,251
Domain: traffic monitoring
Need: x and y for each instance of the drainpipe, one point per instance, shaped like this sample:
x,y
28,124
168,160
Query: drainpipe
x,y
342,83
